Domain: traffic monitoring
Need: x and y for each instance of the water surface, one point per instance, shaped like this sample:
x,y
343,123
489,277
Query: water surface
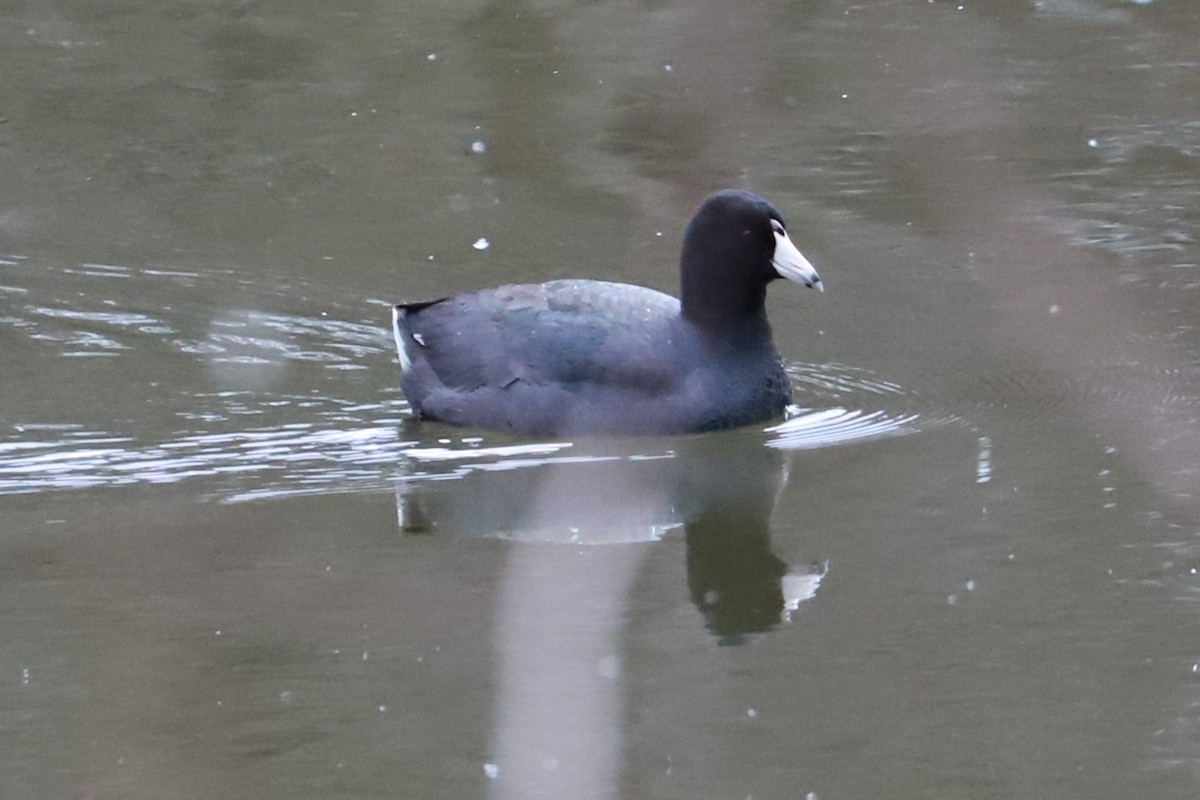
x,y
230,562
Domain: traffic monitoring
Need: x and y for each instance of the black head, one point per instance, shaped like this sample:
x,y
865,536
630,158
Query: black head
x,y
734,246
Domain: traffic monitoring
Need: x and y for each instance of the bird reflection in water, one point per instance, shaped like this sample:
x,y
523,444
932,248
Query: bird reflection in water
x,y
585,515
718,492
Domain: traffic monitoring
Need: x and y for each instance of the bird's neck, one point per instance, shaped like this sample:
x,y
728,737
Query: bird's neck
x,y
723,328
735,310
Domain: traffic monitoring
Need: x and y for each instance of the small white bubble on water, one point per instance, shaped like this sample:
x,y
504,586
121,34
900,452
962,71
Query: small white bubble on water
x,y
491,770
478,147
752,713
1093,143
382,709
481,244
431,57
952,600
845,96
365,655
1054,309
971,585
286,697
25,676
668,68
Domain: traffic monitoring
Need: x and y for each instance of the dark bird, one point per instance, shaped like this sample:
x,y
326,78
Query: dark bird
x,y
586,356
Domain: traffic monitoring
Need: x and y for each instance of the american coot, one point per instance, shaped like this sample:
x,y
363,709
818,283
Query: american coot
x,y
585,356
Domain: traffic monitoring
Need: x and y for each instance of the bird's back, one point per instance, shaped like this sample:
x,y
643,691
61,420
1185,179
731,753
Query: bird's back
x,y
571,355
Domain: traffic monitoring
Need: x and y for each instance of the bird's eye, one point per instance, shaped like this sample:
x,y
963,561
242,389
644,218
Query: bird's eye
x,y
778,228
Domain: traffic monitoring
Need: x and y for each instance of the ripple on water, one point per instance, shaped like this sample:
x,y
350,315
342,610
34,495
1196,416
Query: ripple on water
x,y
95,308
307,458
807,429
836,381
1022,392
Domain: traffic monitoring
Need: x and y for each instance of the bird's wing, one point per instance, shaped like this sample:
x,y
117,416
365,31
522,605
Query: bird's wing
x,y
569,332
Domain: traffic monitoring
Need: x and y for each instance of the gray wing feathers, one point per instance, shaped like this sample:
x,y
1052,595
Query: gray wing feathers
x,y
562,332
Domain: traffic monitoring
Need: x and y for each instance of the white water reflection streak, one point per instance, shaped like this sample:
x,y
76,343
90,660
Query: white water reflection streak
x,y
306,458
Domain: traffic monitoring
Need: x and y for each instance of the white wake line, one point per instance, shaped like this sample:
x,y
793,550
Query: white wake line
x,y
312,459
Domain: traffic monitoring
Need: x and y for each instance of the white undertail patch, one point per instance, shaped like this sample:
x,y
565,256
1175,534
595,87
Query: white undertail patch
x,y
401,350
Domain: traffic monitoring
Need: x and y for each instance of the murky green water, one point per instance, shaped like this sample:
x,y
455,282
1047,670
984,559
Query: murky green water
x,y
231,566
